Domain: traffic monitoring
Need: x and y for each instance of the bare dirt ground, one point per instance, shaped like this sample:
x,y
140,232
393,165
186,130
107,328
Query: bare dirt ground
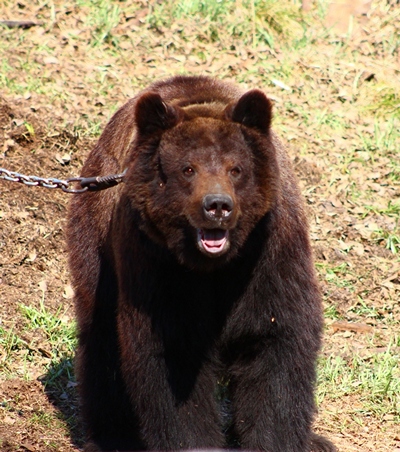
x,y
60,81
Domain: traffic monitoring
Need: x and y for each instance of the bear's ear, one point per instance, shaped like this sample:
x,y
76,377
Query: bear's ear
x,y
253,110
153,115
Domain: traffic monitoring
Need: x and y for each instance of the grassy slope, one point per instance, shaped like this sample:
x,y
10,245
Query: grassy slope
x,y
337,105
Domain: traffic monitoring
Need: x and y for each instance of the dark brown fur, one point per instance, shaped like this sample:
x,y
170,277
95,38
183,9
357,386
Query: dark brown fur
x,y
163,312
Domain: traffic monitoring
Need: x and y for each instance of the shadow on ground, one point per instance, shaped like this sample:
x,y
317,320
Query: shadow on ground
x,y
61,390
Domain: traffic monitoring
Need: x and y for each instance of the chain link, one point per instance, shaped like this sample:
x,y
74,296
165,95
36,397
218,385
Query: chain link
x,y
86,183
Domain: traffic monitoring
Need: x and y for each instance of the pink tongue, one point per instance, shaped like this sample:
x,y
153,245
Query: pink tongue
x,y
213,238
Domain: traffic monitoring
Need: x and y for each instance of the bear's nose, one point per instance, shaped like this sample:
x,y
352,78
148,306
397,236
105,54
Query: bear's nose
x,y
217,206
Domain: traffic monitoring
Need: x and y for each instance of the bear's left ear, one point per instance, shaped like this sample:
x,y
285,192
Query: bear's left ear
x,y
253,110
153,115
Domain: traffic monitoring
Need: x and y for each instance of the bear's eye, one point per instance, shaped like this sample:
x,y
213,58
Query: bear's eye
x,y
236,171
188,171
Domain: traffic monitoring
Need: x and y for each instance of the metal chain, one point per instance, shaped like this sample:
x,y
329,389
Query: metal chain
x,y
86,183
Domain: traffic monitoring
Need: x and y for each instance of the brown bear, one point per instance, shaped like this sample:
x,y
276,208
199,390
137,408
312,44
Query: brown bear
x,y
195,273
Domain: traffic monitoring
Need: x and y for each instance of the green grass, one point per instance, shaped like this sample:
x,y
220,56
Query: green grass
x,y
42,418
10,343
374,379
392,209
103,17
331,312
60,341
339,275
61,335
365,311
390,238
254,22
387,104
385,137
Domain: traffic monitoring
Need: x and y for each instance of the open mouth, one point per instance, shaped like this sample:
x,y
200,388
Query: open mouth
x,y
213,241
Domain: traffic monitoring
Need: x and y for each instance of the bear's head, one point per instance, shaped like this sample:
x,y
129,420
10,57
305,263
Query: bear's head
x,y
201,176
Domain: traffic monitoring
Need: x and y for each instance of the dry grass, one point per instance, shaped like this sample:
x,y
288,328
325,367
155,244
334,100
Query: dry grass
x,y
337,105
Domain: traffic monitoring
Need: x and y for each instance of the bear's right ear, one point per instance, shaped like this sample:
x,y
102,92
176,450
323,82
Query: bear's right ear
x,y
153,115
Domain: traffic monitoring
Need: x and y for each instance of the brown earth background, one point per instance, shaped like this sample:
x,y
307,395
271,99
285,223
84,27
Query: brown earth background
x,y
333,72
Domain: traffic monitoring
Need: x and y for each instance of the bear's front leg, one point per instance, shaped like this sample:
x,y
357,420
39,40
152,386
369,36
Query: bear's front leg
x,y
272,396
171,390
